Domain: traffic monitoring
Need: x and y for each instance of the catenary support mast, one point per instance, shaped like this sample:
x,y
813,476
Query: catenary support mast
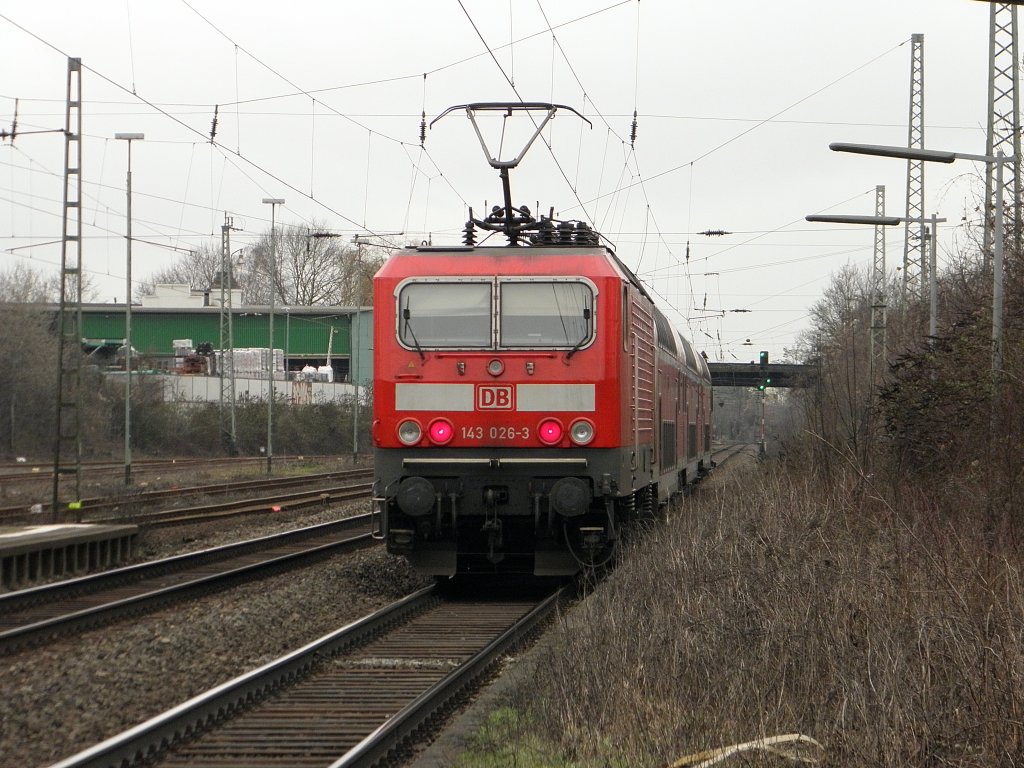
x,y
915,265
67,449
878,293
226,369
1003,134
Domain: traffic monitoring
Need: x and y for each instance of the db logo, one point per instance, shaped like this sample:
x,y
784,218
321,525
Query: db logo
x,y
491,398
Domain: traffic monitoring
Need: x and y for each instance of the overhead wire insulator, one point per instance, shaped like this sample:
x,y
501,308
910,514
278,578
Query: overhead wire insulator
x,y
213,124
632,131
565,232
423,116
545,232
469,231
714,233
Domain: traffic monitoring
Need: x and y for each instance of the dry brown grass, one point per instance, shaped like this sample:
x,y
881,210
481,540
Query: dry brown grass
x,y
772,604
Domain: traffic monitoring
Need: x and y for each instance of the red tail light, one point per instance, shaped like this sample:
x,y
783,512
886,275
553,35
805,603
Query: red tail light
x,y
441,431
550,431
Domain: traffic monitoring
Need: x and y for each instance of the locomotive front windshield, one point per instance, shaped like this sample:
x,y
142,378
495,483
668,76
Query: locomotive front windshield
x,y
540,314
529,314
445,315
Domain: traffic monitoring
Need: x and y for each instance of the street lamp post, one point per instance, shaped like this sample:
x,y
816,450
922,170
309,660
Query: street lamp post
x,y
128,137
940,156
273,202
354,346
287,335
889,221
933,283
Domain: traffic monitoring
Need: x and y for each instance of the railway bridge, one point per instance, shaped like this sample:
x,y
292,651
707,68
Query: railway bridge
x,y
755,375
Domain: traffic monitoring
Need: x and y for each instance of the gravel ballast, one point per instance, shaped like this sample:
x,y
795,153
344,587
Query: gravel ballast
x,y
71,694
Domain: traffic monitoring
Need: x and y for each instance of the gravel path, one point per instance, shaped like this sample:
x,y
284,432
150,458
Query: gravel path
x,y
74,693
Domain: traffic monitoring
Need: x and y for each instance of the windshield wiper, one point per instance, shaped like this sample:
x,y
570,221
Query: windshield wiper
x,y
586,335
406,315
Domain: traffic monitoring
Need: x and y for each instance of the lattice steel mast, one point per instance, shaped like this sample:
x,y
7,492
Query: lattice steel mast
x,y
226,369
67,448
915,265
1003,133
878,292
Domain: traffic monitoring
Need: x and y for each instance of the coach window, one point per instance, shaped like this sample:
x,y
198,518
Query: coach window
x,y
438,315
546,314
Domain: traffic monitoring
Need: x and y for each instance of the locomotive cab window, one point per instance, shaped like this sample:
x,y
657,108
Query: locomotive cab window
x,y
434,314
541,314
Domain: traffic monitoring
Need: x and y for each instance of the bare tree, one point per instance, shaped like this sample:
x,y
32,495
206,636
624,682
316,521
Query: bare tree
x,y
28,349
310,266
201,269
22,284
314,267
359,272
839,409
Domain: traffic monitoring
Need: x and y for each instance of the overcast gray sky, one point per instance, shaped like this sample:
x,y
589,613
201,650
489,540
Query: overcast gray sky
x,y
319,103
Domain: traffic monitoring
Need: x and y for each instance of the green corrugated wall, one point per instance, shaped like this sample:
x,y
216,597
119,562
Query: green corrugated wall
x,y
302,334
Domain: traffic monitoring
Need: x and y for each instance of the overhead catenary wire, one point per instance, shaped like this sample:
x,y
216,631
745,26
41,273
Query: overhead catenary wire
x,y
622,208
570,67
633,131
201,109
131,42
636,77
190,129
238,153
312,146
766,121
547,144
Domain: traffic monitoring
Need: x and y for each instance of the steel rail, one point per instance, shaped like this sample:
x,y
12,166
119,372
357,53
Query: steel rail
x,y
401,728
25,471
147,740
313,711
276,503
21,512
87,588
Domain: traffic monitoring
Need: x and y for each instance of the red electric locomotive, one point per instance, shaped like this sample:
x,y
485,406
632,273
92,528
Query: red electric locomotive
x,y
529,399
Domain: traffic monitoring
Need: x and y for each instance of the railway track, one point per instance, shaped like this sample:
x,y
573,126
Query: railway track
x,y
42,470
315,497
102,509
351,698
723,453
31,616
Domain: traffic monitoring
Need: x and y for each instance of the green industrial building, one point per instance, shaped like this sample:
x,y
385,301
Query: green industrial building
x,y
316,336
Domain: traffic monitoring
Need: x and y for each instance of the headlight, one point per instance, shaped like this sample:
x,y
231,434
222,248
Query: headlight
x,y
581,432
409,432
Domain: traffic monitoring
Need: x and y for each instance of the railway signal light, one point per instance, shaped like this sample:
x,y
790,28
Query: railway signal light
x,y
764,357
